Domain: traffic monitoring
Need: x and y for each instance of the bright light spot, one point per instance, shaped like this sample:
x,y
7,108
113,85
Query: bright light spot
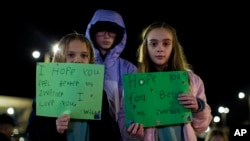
x,y
241,95
36,54
10,111
15,131
55,48
221,109
226,110
216,119
208,129
21,139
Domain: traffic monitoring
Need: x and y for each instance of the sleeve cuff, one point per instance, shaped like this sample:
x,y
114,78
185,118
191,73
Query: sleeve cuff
x,y
201,105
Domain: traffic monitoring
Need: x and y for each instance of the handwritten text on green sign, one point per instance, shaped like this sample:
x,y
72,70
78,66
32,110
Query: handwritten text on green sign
x,y
71,88
151,98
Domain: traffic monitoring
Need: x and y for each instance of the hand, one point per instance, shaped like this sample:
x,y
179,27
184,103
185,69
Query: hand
x,y
62,123
136,130
189,101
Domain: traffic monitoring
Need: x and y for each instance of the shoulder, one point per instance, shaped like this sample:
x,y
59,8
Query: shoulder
x,y
196,85
194,78
127,65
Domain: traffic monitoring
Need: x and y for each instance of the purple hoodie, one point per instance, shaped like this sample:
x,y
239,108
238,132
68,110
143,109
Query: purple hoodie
x,y
115,66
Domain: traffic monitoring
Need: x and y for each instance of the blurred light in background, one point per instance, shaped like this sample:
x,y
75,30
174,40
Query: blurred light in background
x,y
242,95
36,54
10,111
216,119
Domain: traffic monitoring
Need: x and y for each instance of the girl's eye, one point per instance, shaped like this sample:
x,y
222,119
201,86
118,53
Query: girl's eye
x,y
85,55
71,55
153,44
165,44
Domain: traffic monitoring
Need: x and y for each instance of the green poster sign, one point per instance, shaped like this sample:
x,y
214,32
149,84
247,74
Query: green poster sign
x,y
151,98
71,88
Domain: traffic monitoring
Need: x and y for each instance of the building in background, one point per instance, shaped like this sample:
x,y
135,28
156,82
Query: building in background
x,y
19,108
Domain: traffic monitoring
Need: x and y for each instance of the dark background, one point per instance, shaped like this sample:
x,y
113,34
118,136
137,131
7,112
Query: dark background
x,y
215,37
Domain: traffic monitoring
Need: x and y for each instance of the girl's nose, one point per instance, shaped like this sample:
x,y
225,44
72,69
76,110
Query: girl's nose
x,y
78,59
160,48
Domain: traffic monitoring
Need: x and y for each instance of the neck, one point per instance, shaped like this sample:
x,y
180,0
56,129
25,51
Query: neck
x,y
103,51
163,67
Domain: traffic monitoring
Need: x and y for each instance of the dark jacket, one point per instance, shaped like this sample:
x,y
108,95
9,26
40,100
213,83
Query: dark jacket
x,y
42,128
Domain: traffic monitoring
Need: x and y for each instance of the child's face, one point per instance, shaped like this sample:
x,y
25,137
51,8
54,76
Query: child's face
x,y
159,45
105,39
77,52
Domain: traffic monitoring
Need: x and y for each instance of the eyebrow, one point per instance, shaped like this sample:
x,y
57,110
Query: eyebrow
x,y
162,39
75,51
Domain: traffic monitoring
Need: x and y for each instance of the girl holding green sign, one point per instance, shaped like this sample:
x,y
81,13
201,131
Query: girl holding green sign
x,y
160,51
73,48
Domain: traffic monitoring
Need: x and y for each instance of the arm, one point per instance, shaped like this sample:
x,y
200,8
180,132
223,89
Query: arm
x,y
41,128
201,117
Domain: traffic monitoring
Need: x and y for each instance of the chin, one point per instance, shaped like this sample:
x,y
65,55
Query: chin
x,y
160,63
106,47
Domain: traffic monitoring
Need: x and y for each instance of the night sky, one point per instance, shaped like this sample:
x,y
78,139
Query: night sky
x,y
215,38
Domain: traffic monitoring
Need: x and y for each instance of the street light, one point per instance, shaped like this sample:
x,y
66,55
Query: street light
x,y
47,54
36,54
242,95
216,119
223,111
